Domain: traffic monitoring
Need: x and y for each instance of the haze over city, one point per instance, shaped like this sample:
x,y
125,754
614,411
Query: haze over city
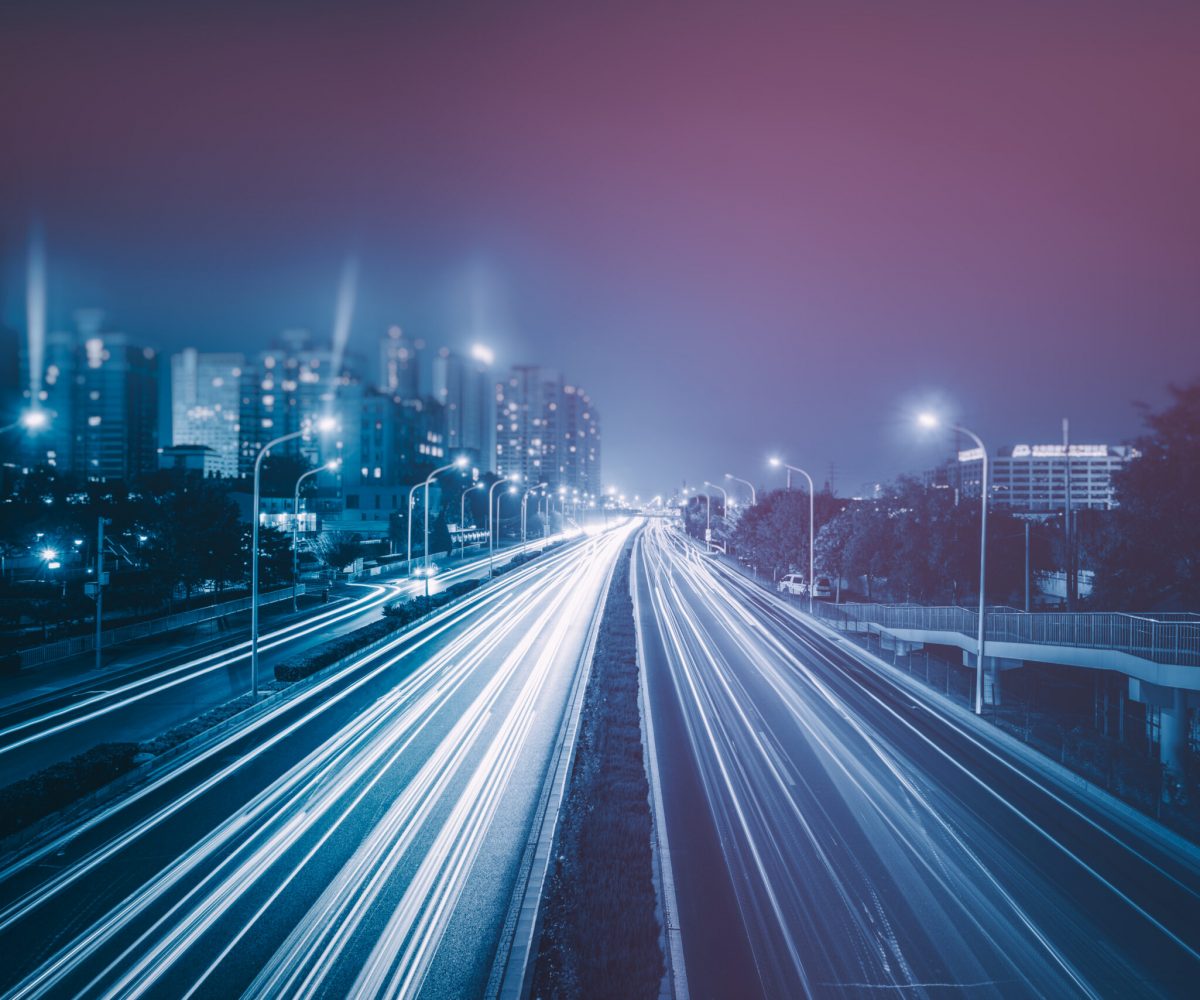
x,y
630,501
983,205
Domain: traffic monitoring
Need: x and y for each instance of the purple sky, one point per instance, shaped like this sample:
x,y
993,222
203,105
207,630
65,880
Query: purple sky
x,y
740,227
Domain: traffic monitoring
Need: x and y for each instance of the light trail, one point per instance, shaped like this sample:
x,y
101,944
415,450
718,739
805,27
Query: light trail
x,y
402,798
862,852
83,710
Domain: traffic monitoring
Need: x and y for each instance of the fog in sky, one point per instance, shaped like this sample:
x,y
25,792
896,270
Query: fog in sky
x,y
742,227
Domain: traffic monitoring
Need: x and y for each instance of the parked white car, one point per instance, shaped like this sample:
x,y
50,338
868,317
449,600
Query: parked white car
x,y
822,587
793,584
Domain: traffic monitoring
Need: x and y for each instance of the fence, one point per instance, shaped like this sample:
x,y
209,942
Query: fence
x,y
39,655
1162,638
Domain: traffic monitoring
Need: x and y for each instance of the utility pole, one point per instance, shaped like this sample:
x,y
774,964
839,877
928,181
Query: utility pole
x,y
1027,526
1071,586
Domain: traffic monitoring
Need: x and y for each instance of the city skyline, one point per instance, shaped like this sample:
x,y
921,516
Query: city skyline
x,y
643,196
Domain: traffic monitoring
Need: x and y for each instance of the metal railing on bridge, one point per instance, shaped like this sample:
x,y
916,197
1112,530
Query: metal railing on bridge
x,y
1169,637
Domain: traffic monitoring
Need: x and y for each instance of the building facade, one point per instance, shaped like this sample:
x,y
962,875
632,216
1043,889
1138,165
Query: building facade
x,y
1038,478
463,386
547,430
206,394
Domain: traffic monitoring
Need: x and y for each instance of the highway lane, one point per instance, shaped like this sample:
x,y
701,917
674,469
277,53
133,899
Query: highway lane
x,y
364,834
139,704
871,845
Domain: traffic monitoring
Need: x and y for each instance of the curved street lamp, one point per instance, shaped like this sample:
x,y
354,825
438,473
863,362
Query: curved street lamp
x,y
510,480
459,463
462,516
324,425
930,420
745,482
811,521
330,466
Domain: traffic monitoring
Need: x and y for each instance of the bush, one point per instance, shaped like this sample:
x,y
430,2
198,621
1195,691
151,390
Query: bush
x,y
600,933
462,587
59,785
396,616
299,667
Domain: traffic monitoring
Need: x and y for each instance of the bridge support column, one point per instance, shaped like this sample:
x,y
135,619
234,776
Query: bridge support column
x,y
1172,705
1172,743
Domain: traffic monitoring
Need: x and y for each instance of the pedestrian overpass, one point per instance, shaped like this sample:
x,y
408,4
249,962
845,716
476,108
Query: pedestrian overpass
x,y
1159,653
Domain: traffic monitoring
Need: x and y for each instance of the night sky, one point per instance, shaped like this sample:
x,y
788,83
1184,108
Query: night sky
x,y
741,227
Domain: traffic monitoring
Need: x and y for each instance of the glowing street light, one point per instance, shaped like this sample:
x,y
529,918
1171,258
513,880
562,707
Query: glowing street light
x,y
33,419
777,462
331,466
724,497
930,421
324,425
511,480
462,515
459,463
745,482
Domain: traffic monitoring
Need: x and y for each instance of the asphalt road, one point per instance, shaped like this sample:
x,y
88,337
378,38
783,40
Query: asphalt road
x,y
141,701
834,832
363,835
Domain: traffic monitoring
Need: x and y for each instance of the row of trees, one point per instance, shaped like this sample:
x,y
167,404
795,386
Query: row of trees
x,y
911,543
916,543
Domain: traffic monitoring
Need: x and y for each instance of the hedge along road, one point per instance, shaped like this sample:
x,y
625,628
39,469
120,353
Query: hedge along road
x,y
328,849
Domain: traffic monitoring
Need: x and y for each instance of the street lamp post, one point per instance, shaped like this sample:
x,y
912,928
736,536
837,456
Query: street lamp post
x,y
931,420
492,522
33,419
811,522
724,498
411,503
525,512
462,517
746,482
458,463
327,467
325,424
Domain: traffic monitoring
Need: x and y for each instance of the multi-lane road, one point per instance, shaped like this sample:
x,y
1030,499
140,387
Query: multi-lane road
x,y
833,831
142,700
362,835
827,827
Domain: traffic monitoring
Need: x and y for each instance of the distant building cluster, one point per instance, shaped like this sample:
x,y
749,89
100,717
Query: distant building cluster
x,y
119,411
1039,478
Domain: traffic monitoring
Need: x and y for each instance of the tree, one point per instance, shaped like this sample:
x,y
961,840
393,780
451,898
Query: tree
x,y
1148,558
339,549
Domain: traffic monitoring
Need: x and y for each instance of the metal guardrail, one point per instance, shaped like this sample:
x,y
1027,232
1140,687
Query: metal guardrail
x,y
39,655
1162,638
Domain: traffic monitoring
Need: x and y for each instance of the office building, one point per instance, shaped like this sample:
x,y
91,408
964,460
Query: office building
x,y
206,406
1036,478
463,387
547,430
400,361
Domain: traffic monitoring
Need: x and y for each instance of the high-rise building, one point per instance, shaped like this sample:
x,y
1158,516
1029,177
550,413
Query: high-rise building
x,y
206,391
114,404
547,430
400,365
1036,478
463,387
283,388
576,436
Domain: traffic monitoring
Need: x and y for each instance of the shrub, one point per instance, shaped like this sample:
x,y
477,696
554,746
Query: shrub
x,y
59,785
462,587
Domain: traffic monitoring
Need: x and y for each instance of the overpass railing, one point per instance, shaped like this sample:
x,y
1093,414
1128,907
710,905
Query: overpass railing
x,y
1170,637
